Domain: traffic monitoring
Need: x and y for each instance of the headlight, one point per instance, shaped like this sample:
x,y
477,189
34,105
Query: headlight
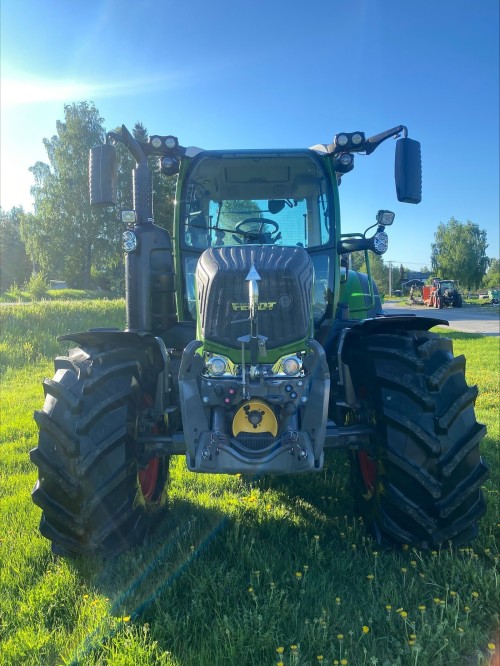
x,y
291,365
380,242
216,365
156,141
129,241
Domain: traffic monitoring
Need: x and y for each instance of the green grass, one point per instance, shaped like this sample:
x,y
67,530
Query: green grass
x,y
28,332
20,296
238,568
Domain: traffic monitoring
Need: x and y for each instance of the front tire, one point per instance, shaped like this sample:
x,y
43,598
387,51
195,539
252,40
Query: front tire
x,y
98,493
421,485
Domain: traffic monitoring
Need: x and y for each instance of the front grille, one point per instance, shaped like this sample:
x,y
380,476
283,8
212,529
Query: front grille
x,y
285,291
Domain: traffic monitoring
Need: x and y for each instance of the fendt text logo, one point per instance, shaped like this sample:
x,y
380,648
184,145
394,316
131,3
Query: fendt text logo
x,y
261,306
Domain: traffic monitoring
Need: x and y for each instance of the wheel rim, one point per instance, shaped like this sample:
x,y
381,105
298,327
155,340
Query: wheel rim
x,y
148,478
149,475
368,470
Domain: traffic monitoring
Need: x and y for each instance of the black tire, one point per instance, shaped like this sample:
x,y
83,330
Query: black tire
x,y
95,495
422,484
458,301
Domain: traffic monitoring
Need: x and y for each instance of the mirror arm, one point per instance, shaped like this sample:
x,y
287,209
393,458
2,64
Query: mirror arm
x,y
374,141
132,144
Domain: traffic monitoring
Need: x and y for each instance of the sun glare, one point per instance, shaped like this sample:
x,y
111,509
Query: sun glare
x,y
36,91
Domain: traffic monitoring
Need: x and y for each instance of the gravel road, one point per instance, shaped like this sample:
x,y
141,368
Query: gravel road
x,y
484,319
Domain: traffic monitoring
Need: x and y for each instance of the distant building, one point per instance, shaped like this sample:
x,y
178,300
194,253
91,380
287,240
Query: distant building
x,y
415,275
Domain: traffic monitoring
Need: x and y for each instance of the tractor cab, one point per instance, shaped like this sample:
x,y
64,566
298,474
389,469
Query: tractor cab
x,y
254,199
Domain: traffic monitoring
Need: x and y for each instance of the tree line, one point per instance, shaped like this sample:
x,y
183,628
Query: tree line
x,y
64,238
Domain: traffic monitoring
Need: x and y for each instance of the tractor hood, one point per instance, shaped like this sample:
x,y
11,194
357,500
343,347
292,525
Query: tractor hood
x,y
282,307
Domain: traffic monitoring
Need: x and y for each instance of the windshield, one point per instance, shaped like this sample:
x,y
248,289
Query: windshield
x,y
255,199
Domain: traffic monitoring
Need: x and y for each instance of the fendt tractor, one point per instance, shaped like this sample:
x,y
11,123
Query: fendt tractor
x,y
251,347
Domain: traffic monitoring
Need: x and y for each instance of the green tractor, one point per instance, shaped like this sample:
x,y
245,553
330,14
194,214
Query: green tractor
x,y
252,348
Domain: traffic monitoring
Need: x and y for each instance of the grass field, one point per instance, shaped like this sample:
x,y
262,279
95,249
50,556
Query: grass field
x,y
240,571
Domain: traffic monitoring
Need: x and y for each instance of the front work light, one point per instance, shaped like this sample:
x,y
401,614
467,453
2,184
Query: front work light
x,y
348,141
171,142
344,162
129,241
169,165
128,217
385,218
380,242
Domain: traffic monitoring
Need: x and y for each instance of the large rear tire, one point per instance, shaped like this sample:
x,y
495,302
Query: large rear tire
x,y
98,493
422,483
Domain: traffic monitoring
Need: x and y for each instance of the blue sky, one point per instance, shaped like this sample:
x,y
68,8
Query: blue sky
x,y
225,74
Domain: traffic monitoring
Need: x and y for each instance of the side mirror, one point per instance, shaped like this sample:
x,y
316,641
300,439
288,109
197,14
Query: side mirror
x,y
103,172
408,171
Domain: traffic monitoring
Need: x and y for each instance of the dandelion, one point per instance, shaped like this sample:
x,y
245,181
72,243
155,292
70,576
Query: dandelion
x,y
365,629
422,608
413,637
298,575
467,609
294,648
340,637
413,563
280,649
126,618
491,647
370,576
338,601
280,663
85,596
316,537
404,614
319,657
404,570
475,595
344,662
461,630
388,607
272,585
453,593
375,553
405,546
306,568
434,553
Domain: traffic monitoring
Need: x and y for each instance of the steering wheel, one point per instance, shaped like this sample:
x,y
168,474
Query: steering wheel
x,y
258,223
